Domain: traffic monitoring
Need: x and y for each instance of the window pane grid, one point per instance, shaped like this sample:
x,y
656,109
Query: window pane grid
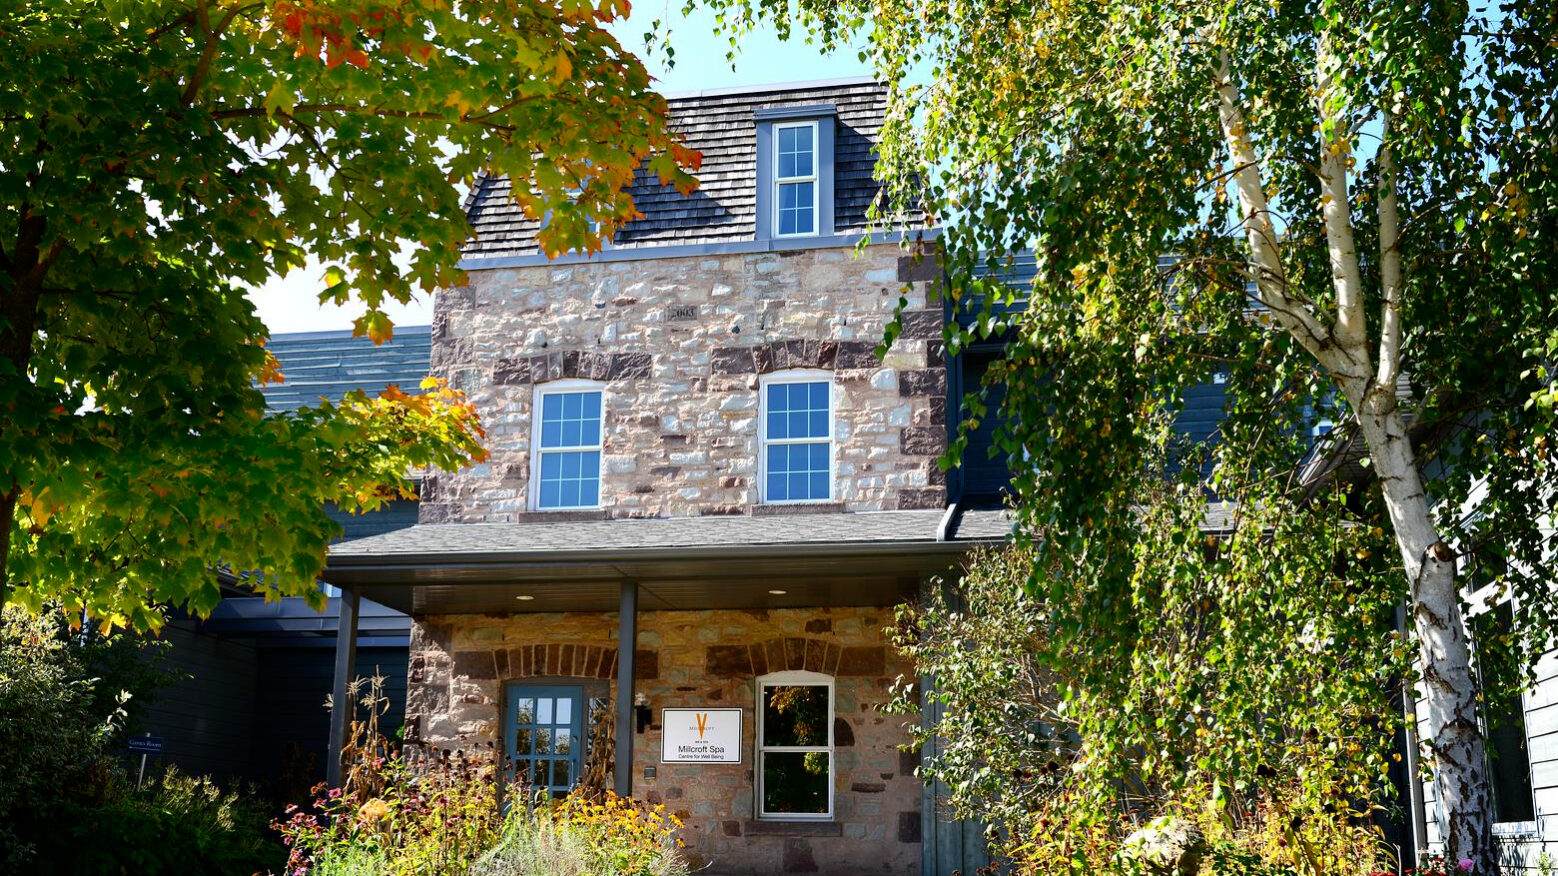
x,y
795,179
796,780
797,457
569,450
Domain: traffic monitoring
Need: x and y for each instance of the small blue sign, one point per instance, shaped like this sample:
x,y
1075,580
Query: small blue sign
x,y
146,745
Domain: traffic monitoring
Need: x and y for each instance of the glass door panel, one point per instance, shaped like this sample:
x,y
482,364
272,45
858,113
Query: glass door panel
x,y
545,725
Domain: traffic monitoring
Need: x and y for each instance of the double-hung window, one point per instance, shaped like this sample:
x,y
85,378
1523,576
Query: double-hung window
x,y
795,179
568,446
797,425
795,746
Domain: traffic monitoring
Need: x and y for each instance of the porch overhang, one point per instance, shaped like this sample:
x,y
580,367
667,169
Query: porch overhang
x,y
875,558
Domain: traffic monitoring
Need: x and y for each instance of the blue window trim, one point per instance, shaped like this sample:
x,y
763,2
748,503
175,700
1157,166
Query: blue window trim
x,y
799,375
538,452
768,123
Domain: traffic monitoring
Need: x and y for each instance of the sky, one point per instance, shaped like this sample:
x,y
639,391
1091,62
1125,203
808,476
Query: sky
x,y
291,303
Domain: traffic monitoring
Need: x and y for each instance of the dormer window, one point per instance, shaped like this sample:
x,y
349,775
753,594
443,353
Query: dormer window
x,y
795,171
795,179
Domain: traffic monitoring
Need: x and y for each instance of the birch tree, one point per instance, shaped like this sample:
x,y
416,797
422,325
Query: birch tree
x,y
1343,209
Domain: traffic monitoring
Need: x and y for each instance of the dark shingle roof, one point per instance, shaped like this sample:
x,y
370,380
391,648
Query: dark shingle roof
x,y
330,364
665,534
721,125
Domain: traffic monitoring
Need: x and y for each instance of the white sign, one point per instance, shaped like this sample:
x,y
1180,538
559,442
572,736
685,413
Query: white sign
x,y
700,736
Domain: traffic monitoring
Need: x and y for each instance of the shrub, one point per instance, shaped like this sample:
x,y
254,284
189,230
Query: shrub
x,y
1060,785
452,813
175,824
580,837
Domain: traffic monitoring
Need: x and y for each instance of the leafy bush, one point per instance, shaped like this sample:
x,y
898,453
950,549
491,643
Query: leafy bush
x,y
176,824
67,805
1061,784
580,837
454,813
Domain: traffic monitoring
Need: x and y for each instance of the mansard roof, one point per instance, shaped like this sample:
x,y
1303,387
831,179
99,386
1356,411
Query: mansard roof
x,y
722,124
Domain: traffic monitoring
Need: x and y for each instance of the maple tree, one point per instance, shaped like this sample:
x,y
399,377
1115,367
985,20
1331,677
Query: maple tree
x,y
1345,210
155,156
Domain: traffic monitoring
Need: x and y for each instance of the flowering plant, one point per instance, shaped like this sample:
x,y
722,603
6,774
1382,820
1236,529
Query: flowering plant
x,y
1434,865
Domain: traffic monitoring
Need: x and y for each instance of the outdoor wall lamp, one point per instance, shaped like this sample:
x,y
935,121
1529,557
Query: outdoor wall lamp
x,y
642,714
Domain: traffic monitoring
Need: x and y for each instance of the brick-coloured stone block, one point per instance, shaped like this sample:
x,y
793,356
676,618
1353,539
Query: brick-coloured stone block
x,y
922,325
732,360
927,381
815,651
795,653
631,366
855,354
919,500
798,857
867,787
867,660
819,625
843,734
728,661
776,658
730,828
511,371
923,440
475,664
908,760
646,664
909,827
918,268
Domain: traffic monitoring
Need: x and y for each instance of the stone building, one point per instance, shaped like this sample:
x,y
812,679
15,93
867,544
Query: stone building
x,y
705,495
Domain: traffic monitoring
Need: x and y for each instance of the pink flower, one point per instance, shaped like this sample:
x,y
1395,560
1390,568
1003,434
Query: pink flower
x,y
1466,864
335,793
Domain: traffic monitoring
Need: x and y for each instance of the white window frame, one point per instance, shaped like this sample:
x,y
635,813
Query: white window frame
x,y
781,679
795,375
815,178
557,387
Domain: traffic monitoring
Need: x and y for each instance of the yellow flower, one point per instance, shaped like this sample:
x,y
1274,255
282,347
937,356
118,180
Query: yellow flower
x,y
373,810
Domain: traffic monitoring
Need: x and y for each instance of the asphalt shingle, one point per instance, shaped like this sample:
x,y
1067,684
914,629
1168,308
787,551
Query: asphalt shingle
x,y
629,535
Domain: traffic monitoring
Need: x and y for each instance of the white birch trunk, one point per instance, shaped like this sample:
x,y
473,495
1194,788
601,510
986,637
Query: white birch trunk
x,y
1449,688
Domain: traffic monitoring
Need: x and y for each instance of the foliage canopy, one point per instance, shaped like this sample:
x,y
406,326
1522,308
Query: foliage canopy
x,y
1345,210
154,156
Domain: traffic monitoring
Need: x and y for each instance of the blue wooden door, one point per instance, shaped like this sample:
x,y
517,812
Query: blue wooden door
x,y
545,736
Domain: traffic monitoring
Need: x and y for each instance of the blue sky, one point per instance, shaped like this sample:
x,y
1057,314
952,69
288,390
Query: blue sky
x,y
291,304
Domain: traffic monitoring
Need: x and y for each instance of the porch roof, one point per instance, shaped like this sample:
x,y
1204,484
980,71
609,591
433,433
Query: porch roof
x,y
864,558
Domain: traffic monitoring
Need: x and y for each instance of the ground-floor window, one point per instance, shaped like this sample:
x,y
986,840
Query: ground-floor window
x,y
795,746
1503,715
545,736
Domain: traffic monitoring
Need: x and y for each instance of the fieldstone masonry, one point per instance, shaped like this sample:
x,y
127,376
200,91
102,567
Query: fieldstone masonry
x,y
680,345
460,664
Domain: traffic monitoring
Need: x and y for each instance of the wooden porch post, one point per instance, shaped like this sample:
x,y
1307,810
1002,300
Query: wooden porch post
x,y
627,643
345,669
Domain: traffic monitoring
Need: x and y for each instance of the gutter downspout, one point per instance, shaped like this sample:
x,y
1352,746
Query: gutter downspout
x,y
944,528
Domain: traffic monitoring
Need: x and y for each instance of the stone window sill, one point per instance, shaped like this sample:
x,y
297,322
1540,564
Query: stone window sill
x,y
795,508
793,828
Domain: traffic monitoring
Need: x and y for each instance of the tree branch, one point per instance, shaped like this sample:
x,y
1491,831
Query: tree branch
x,y
1266,263
1351,331
1389,267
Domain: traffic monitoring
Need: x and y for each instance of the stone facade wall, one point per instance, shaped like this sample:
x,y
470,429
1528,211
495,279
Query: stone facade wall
x,y
679,344
461,663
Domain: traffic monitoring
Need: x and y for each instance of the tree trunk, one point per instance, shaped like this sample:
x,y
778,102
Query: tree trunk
x,y
1449,689
18,325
